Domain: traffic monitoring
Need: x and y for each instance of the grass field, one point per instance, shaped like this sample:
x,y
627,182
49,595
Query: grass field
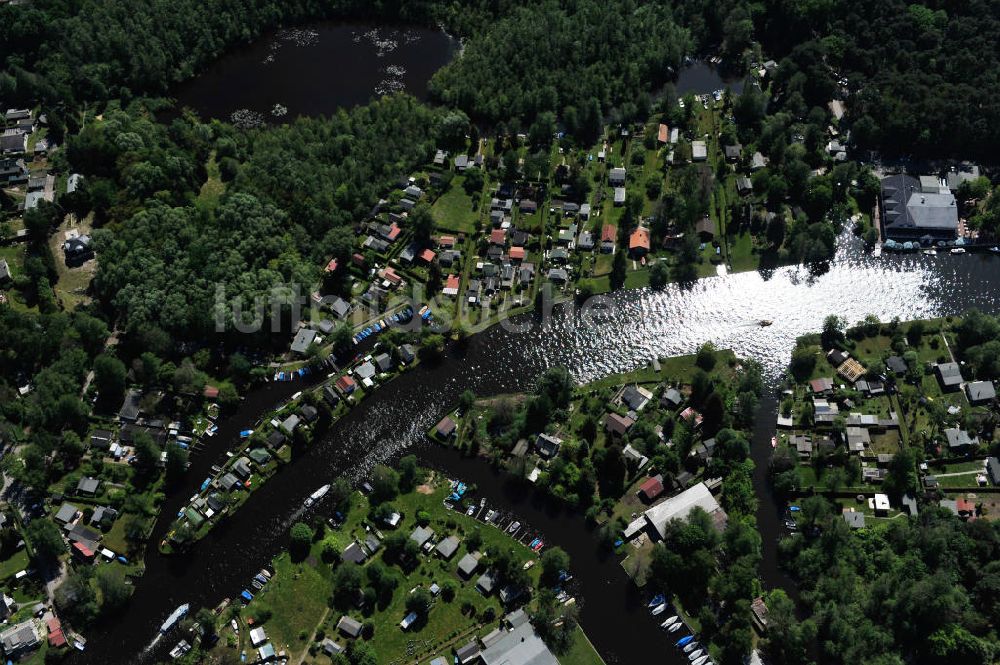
x,y
581,652
213,187
454,210
14,564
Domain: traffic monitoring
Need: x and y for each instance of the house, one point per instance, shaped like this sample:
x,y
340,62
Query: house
x,y
331,648
407,353
346,384
918,210
241,468
87,486
896,365
498,237
757,162
528,207
585,211
290,423
680,505
638,242
616,424
699,151
547,446
857,439
383,362
517,253
275,440
881,504
75,250
744,185
228,482
20,638
619,196
526,273
303,340
705,228
446,428
651,489
349,627
609,234
821,386
633,456
468,653
467,565
855,520
616,177
733,152
57,638
447,547
353,553
421,535
365,370
585,242
520,646
66,514
257,636
662,133
14,143
130,407
100,439
980,392
635,397
949,375
671,399
485,583
372,543
959,440
558,275
461,162
340,307
103,516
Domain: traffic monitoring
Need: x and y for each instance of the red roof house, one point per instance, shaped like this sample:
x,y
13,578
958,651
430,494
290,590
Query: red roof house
x,y
211,392
498,237
638,242
651,489
446,241
609,233
332,266
346,384
427,256
517,253
663,134
56,637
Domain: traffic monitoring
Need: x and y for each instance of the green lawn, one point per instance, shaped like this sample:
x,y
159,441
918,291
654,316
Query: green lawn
x,y
581,652
213,187
454,210
297,596
16,563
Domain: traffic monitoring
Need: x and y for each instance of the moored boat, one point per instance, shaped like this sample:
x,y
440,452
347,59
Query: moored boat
x,y
174,617
317,495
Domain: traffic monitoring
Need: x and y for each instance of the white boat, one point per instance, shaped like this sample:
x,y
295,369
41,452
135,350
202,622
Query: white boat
x,y
669,622
695,655
930,252
513,527
182,648
659,609
489,515
701,661
174,617
677,626
317,495
995,250
689,647
236,626
957,250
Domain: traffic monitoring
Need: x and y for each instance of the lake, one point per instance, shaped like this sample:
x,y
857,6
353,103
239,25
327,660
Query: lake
x,y
316,70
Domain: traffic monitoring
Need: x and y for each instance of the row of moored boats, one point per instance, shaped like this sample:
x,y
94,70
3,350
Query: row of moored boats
x,y
695,652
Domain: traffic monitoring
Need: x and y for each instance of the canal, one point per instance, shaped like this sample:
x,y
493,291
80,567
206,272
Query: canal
x,y
641,325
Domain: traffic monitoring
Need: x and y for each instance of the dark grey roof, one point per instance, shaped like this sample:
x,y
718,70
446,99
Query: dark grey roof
x,y
909,211
950,374
855,520
303,338
981,391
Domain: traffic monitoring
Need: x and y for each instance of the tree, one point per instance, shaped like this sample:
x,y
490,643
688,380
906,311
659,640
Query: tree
x,y
554,562
385,484
301,540
109,377
409,473
114,588
833,331
45,539
556,384
176,465
803,362
705,358
347,580
419,602
147,456
422,222
659,275
619,270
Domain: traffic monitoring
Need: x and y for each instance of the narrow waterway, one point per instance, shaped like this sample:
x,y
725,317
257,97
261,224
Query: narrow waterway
x,y
641,325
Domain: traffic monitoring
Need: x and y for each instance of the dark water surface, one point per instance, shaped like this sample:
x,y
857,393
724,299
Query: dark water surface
x,y
700,77
642,325
316,70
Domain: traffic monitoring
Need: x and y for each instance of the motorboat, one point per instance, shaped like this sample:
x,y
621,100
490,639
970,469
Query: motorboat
x,y
685,640
317,495
958,250
695,655
182,648
674,628
763,323
659,609
514,526
471,510
689,647
774,442
489,515
701,661
658,599
174,617
669,622
538,546
930,252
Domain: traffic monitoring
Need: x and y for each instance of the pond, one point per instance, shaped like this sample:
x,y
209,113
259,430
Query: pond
x,y
701,78
316,70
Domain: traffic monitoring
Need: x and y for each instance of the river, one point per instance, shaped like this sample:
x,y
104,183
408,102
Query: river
x,y
315,70
641,325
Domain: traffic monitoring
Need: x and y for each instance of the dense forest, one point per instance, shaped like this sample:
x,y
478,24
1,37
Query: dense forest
x,y
922,591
